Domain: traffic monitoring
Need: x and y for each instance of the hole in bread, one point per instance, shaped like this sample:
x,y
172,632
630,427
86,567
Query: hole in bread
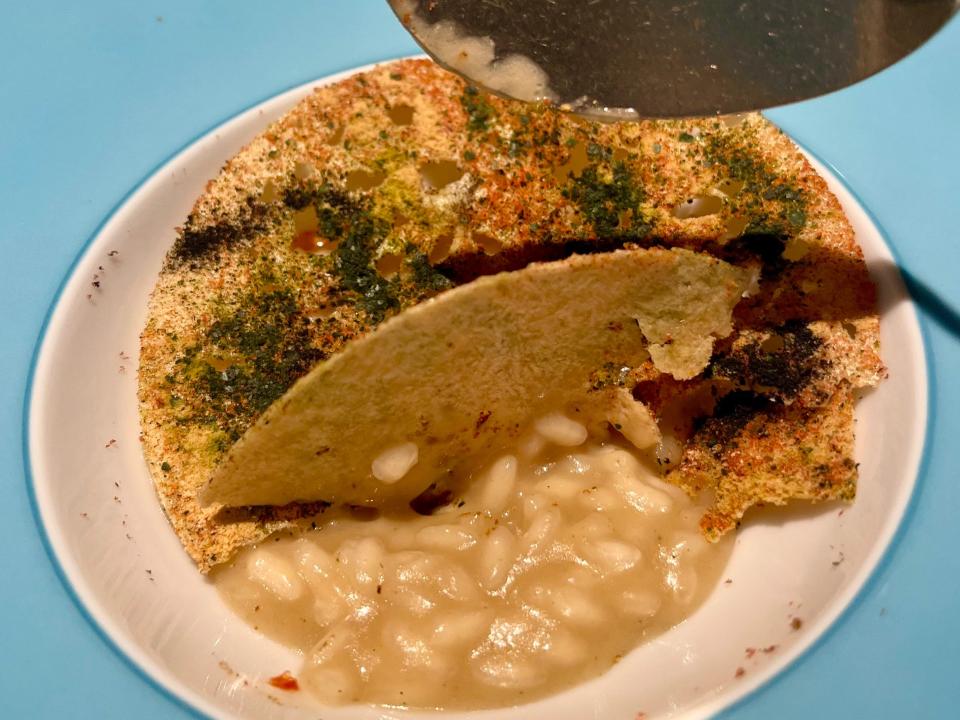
x,y
400,114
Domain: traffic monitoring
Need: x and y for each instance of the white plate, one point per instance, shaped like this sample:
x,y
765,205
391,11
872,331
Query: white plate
x,y
98,507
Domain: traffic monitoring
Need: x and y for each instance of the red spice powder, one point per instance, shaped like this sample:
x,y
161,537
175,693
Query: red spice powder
x,y
285,681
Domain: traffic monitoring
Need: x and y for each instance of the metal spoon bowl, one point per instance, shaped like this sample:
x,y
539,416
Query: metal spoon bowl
x,y
671,58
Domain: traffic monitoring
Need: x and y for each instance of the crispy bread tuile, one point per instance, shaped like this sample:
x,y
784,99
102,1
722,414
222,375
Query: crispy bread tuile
x,y
404,183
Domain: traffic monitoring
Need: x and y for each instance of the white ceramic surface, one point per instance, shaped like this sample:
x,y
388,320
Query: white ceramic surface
x,y
126,566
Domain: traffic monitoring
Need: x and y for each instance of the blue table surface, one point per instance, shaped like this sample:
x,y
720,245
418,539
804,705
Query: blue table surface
x,y
95,95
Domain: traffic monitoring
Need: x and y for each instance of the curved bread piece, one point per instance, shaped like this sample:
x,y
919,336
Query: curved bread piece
x,y
458,377
403,182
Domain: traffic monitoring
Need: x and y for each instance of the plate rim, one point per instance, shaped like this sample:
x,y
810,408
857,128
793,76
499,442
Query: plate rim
x,y
194,704
199,706
919,478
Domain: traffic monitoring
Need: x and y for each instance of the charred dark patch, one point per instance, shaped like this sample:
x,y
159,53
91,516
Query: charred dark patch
x,y
297,197
780,365
731,415
432,499
196,243
481,420
272,513
363,513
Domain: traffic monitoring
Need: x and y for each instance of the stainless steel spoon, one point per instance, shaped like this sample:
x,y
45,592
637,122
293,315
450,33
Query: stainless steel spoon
x,y
670,58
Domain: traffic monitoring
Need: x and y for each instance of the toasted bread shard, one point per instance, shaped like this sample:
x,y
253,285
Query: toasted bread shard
x,y
755,451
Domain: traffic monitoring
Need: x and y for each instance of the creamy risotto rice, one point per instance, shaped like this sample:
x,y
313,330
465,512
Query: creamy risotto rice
x,y
554,560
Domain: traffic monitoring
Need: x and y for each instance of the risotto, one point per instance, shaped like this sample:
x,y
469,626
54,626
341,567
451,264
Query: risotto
x,y
530,574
